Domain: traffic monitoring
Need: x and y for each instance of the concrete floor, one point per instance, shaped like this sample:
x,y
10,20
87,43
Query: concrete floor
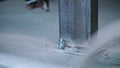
x,y
10,61
15,18
33,34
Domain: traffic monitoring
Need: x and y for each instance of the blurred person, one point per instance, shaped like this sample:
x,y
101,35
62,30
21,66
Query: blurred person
x,y
43,4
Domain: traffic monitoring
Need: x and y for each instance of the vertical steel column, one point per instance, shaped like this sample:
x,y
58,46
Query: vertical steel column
x,y
78,19
66,17
66,23
94,16
82,13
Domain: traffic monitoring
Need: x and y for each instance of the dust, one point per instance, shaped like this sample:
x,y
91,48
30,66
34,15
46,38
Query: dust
x,y
101,43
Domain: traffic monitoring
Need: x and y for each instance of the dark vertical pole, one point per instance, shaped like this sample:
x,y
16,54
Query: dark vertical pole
x,y
94,16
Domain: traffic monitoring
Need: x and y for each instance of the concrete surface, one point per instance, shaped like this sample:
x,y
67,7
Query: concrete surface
x,y
33,35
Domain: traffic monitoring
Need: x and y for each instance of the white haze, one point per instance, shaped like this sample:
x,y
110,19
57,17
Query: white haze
x,y
97,43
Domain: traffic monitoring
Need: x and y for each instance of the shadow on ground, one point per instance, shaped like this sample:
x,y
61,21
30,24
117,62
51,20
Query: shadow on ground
x,y
2,0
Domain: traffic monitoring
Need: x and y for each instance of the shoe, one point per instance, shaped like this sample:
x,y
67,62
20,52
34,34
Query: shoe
x,y
47,10
31,4
30,1
44,7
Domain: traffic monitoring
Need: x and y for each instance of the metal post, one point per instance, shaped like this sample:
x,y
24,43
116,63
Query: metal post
x,y
78,19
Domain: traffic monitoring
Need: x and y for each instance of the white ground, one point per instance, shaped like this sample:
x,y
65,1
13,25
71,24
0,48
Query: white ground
x,y
15,18
32,35
10,61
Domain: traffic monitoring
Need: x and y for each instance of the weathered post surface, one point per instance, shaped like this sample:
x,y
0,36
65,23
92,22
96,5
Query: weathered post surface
x,y
66,17
78,19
